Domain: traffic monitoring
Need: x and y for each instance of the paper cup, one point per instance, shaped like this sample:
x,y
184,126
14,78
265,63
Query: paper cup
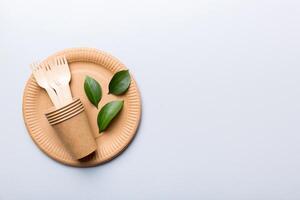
x,y
72,127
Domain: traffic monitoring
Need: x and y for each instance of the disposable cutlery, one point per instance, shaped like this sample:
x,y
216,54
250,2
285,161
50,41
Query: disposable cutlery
x,y
61,76
40,77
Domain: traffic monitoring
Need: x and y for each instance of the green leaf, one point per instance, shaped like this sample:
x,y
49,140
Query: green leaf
x,y
92,90
108,113
120,82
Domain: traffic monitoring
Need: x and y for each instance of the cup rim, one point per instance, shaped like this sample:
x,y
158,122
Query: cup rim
x,y
65,112
53,110
64,118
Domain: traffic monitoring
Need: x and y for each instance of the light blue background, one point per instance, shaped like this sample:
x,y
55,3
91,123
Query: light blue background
x,y
220,88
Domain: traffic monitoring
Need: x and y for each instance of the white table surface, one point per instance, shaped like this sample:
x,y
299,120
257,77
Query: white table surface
x,y
220,88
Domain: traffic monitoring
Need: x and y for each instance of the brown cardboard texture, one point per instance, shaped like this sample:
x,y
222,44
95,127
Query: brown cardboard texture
x,y
73,129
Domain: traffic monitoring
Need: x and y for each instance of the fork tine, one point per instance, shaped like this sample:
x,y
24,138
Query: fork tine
x,y
65,60
38,66
51,63
61,60
47,67
34,66
56,61
43,66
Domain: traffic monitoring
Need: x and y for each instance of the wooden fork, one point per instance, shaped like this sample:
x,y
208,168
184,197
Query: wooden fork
x,y
51,79
41,80
61,76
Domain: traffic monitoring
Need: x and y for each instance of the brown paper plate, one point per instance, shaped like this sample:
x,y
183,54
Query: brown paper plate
x,y
101,66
